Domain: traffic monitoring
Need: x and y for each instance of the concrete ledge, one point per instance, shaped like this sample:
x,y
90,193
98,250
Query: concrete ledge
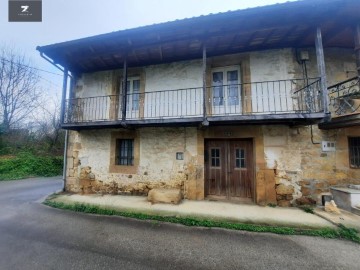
x,y
221,211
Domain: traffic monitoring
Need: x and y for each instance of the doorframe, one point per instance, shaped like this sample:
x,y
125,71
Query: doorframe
x,y
253,177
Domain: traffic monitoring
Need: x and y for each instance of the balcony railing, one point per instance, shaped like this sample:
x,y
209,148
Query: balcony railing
x,y
296,96
345,97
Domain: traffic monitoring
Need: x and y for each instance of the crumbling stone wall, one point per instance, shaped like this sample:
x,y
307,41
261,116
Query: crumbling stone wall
x,y
89,161
289,168
303,170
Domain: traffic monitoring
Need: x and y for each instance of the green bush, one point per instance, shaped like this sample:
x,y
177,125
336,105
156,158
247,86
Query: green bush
x,y
26,165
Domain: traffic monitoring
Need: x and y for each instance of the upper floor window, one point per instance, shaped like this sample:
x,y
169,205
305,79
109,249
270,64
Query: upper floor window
x,y
133,90
225,86
354,152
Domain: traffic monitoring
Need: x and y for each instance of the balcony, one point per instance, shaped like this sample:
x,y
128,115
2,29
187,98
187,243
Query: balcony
x,y
344,104
292,101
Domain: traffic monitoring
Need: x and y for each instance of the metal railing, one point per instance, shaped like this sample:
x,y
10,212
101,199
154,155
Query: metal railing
x,y
345,96
89,109
269,97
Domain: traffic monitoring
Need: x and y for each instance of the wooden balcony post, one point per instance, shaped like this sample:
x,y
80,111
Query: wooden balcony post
x,y
357,47
321,69
63,96
205,121
124,91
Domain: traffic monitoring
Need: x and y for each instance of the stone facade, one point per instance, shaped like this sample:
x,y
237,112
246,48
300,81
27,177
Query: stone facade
x,y
290,166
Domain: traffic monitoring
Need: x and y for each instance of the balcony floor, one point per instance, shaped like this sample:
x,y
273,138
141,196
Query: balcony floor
x,y
291,119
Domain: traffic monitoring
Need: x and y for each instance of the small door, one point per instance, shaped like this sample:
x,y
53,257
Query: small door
x,y
226,94
229,169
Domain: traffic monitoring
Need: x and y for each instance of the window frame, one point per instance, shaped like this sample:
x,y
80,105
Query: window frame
x,y
224,101
124,135
351,149
126,147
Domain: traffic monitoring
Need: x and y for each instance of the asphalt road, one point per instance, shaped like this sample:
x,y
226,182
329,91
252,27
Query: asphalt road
x,y
34,236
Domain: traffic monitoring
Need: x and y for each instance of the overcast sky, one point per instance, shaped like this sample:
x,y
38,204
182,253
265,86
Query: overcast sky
x,y
64,20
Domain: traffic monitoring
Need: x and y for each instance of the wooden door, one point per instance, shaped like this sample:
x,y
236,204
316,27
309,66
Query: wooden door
x,y
229,169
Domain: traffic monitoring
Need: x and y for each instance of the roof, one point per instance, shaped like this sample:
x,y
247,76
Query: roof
x,y
290,24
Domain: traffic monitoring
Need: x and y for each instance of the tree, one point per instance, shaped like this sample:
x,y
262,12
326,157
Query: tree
x,y
19,91
47,124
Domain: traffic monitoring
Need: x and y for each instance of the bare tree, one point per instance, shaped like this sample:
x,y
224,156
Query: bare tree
x,y
47,123
19,91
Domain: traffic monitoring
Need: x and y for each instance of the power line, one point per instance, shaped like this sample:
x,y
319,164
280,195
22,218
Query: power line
x,y
42,78
39,69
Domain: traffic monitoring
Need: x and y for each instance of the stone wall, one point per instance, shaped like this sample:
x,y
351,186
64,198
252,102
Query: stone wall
x,y
89,167
289,168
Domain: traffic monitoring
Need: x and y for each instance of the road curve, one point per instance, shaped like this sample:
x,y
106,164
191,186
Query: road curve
x,y
34,236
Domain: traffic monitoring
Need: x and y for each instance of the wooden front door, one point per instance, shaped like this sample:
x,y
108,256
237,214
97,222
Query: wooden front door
x,y
229,169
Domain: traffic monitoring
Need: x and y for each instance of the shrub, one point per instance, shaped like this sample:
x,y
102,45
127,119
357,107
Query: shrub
x,y
26,164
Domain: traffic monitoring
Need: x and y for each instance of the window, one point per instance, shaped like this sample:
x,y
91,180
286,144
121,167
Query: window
x,y
133,89
215,157
240,158
125,152
226,86
354,152
132,98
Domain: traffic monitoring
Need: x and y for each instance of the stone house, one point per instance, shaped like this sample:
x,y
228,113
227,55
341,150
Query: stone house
x,y
257,105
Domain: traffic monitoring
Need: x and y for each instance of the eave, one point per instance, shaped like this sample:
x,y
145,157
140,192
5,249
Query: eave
x,y
290,24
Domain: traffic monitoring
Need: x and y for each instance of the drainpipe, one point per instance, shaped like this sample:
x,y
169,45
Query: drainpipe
x,y
62,122
124,93
66,75
65,162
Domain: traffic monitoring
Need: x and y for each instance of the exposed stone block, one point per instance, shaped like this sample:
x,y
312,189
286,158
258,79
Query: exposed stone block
x,y
77,146
305,201
332,182
305,191
71,173
331,207
304,183
260,188
270,186
71,181
284,190
284,203
320,185
162,195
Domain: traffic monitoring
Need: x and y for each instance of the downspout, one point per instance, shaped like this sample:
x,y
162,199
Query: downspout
x,y
62,122
124,94
65,162
66,75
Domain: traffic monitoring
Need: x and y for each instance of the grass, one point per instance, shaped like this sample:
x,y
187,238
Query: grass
x,y
342,232
26,164
308,209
